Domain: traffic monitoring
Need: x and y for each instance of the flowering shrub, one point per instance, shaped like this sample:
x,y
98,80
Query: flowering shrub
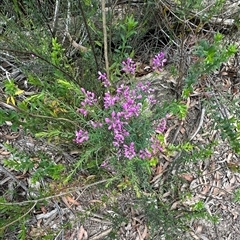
x,y
125,122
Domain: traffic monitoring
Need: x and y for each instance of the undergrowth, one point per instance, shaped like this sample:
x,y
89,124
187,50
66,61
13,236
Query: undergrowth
x,y
118,130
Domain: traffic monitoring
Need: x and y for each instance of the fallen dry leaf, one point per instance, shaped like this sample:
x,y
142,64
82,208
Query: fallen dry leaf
x,y
194,236
43,209
174,205
39,223
182,130
205,190
64,199
187,176
82,234
4,153
145,232
101,235
168,132
199,229
73,201
95,201
36,232
159,169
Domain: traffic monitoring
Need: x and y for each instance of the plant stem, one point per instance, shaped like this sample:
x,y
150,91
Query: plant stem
x,y
105,38
89,35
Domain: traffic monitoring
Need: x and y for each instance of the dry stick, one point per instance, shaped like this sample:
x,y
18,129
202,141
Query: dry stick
x,y
182,20
101,235
194,134
3,104
55,19
70,190
75,44
177,132
199,125
181,63
187,20
67,21
105,38
3,169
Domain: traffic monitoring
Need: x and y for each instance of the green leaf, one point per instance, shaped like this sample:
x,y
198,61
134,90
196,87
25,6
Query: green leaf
x,y
153,162
218,37
99,43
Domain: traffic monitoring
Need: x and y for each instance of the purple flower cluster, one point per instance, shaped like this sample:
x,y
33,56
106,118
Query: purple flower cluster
x,y
145,87
130,102
81,136
147,90
89,98
130,108
117,126
103,78
145,154
162,126
129,66
109,100
122,110
158,61
129,151
88,101
156,145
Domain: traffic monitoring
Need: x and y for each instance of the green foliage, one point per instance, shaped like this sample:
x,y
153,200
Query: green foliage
x,y
22,235
11,90
57,54
237,195
177,108
161,219
199,206
123,32
10,87
126,31
210,56
39,165
225,112
11,116
230,130
137,174
11,216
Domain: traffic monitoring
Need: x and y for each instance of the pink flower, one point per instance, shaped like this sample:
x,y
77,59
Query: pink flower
x,y
162,126
158,61
156,145
129,151
103,78
109,100
81,136
89,98
83,111
95,124
129,66
143,154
